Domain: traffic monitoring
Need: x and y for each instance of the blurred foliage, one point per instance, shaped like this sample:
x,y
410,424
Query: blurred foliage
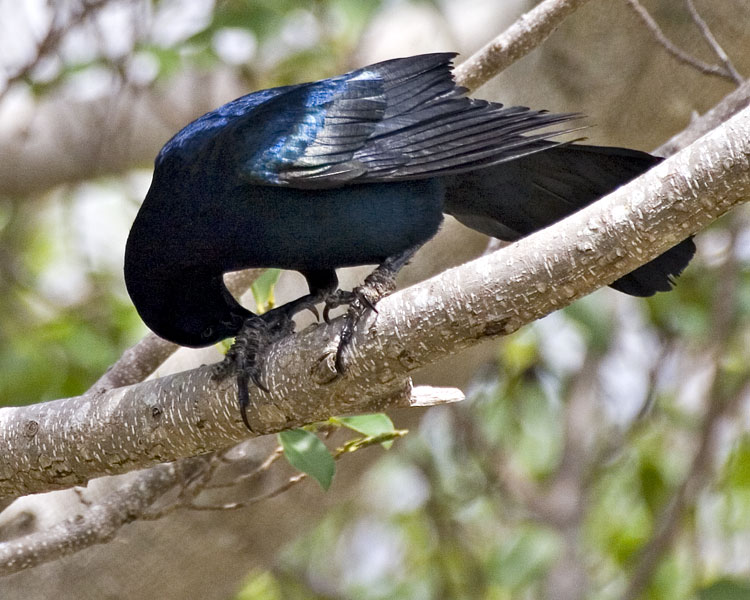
x,y
53,346
282,42
533,481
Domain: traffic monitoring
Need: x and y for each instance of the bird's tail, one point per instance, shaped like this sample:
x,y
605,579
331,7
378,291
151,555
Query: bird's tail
x,y
511,200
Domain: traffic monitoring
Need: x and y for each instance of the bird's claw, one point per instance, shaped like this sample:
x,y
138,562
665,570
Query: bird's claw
x,y
336,299
360,300
314,310
245,358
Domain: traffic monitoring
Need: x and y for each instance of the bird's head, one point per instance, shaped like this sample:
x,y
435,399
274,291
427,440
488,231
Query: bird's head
x,y
189,310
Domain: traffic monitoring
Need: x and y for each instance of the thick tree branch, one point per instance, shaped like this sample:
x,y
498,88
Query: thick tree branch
x,y
61,443
133,500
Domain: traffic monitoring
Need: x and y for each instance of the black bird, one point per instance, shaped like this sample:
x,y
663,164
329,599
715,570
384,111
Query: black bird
x,y
353,170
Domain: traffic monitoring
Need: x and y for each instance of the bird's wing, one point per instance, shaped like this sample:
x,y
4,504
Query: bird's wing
x,y
400,119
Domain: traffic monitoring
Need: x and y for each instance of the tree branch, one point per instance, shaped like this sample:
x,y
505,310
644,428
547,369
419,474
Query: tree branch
x,y
725,71
98,526
714,43
68,441
528,32
730,105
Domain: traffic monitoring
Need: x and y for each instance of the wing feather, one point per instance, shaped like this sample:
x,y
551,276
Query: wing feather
x,y
400,119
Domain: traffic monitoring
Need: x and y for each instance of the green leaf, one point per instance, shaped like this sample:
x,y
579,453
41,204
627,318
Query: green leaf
x,y
370,425
307,453
262,290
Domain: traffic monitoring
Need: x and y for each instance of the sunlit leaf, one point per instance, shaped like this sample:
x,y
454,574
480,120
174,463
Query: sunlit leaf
x,y
307,453
369,425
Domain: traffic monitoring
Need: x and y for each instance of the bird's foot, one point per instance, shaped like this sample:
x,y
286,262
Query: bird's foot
x,y
246,356
379,284
299,305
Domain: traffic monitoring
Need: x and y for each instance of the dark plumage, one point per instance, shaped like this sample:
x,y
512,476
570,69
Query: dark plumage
x,y
356,169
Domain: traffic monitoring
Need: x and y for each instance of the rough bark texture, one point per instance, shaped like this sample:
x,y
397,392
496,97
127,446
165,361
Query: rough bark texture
x,y
67,441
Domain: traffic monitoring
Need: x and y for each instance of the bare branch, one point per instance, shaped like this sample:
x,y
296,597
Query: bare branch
x,y
675,51
715,46
262,468
65,442
277,491
528,32
100,522
97,525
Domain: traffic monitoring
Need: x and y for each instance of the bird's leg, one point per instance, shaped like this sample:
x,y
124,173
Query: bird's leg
x,y
377,285
323,284
259,332
245,358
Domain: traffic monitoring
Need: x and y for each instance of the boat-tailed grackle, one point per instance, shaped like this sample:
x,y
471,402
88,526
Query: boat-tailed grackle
x,y
353,170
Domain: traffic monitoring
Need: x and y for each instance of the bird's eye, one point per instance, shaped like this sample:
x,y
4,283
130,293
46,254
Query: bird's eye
x,y
207,332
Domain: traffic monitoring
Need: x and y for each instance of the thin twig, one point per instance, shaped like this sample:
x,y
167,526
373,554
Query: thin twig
x,y
349,447
675,51
729,106
260,469
715,46
291,482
